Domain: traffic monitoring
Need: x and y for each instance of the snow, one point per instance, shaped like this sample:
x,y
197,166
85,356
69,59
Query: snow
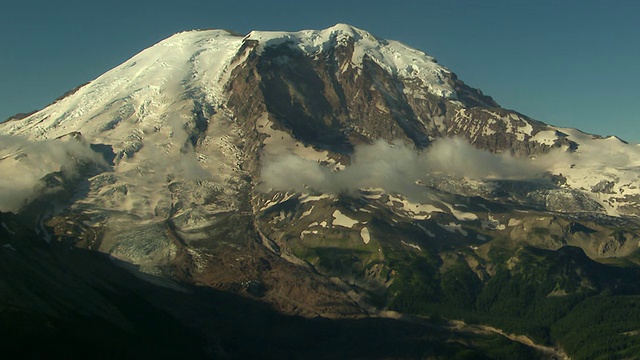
x,y
514,124
429,233
7,228
307,232
394,57
313,198
514,222
411,245
341,219
546,137
413,210
453,227
9,246
43,230
365,235
281,142
374,194
278,198
492,223
142,90
596,161
461,215
307,213
523,131
143,110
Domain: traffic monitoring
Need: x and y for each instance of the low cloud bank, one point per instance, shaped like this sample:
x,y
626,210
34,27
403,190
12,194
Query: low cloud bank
x,y
24,163
397,168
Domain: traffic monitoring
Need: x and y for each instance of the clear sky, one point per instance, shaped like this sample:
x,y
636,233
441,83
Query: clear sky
x,y
566,62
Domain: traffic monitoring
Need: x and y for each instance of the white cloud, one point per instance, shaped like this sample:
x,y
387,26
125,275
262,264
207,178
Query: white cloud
x,y
396,167
24,163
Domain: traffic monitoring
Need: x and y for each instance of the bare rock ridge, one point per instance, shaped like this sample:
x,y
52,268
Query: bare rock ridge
x,y
314,171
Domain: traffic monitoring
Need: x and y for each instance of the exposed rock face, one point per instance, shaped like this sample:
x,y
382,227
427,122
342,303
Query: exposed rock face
x,y
327,101
182,131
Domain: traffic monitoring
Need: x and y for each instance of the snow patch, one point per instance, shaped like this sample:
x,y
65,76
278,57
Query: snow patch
x,y
365,235
417,247
307,232
280,143
514,222
545,137
429,233
453,227
341,219
413,210
310,198
307,213
9,246
492,223
278,198
7,228
461,215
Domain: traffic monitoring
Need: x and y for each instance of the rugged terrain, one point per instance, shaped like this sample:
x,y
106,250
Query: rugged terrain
x,y
318,174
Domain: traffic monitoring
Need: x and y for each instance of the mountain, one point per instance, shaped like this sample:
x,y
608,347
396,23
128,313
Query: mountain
x,y
327,174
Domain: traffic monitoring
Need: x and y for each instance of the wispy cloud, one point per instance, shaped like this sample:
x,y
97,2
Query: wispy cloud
x,y
24,163
396,167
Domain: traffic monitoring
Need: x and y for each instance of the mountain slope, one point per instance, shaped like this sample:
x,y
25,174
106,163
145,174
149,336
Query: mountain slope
x,y
327,173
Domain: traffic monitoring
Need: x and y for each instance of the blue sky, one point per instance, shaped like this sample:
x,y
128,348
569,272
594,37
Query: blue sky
x,y
568,63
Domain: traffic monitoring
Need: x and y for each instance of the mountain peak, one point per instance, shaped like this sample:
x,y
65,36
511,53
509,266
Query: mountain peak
x,y
200,62
330,89
345,27
394,57
315,170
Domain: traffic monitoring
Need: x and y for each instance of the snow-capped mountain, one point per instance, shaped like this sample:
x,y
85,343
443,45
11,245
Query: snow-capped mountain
x,y
296,166
314,84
